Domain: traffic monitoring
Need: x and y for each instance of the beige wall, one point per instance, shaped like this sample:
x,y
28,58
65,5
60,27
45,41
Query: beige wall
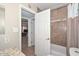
x,y
13,25
2,28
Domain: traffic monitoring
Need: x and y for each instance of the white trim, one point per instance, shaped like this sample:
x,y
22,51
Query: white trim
x,y
20,27
28,9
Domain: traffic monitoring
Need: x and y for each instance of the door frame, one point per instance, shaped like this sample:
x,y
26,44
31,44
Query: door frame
x,y
29,10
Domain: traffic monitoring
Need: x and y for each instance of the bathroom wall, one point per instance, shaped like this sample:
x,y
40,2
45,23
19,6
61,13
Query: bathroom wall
x,y
12,21
13,26
2,28
73,25
58,26
74,32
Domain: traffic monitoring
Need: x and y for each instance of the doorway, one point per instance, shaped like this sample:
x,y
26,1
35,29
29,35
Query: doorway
x,y
24,32
27,34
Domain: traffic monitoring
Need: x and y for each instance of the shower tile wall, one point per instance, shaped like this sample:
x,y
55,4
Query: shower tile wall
x,y
59,13
73,26
58,28
74,32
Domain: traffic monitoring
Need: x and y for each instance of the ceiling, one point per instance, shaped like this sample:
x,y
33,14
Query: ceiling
x,y
43,6
27,14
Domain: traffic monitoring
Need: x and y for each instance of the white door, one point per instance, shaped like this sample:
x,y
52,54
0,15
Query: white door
x,y
42,33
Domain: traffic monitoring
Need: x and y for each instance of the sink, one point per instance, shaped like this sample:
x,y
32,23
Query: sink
x,y
74,51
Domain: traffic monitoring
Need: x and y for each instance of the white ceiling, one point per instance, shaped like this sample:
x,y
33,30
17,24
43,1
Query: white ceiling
x,y
27,14
43,6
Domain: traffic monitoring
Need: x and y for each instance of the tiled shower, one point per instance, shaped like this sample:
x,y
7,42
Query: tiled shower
x,y
64,29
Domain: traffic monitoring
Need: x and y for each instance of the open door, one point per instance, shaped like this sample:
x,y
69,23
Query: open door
x,y
42,33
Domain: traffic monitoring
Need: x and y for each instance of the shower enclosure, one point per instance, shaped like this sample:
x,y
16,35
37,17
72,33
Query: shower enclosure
x,y
64,29
59,31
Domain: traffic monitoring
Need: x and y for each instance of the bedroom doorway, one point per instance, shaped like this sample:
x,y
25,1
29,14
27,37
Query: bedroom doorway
x,y
24,28
27,32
